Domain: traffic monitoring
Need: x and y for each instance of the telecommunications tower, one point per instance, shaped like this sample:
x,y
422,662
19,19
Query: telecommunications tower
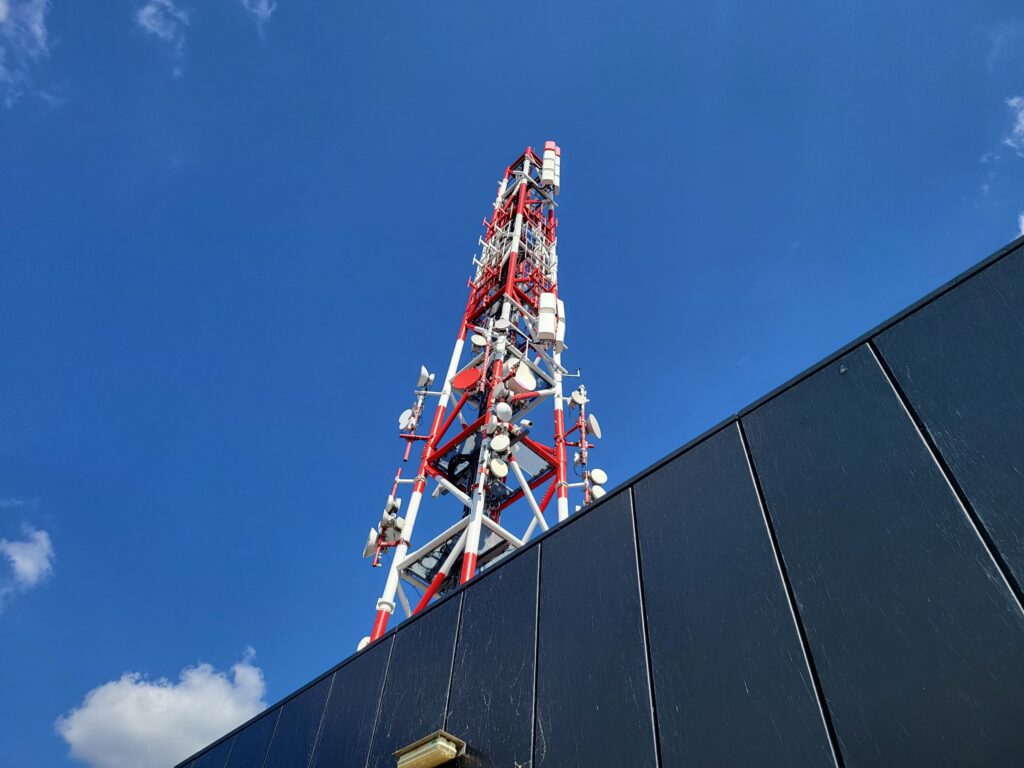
x,y
494,452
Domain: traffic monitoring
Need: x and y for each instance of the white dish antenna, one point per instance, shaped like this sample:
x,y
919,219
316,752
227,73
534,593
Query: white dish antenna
x,y
577,399
598,476
477,340
593,426
522,380
426,377
371,543
500,443
363,643
503,411
406,420
499,468
597,491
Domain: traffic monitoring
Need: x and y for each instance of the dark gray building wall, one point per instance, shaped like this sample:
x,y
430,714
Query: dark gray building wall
x,y
416,689
831,577
594,703
732,683
492,695
896,590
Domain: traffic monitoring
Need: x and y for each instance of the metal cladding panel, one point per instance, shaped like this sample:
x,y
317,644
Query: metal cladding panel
x,y
215,758
491,702
297,728
351,710
916,638
593,694
250,748
416,688
731,683
960,362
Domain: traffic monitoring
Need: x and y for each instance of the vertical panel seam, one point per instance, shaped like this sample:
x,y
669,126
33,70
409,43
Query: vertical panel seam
x,y
536,661
270,744
648,660
320,725
451,668
819,693
951,481
380,702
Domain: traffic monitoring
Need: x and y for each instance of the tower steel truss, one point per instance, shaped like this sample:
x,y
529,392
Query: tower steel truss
x,y
483,446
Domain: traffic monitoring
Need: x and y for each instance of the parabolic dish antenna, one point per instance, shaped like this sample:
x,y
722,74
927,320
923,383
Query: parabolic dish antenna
x,y
371,543
425,377
406,421
593,426
522,380
503,411
466,379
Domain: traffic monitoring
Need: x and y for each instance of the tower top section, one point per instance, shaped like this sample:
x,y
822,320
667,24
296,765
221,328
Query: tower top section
x,y
526,192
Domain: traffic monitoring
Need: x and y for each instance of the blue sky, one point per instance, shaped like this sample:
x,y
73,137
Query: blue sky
x,y
231,231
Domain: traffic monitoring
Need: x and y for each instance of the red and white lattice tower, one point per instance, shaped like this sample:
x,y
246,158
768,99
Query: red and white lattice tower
x,y
488,457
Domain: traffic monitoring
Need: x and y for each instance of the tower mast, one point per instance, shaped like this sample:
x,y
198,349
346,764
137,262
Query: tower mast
x,y
485,453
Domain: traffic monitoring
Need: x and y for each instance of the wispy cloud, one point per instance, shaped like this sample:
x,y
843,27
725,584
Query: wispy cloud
x,y
1012,141
23,41
1015,139
991,161
261,9
30,561
12,502
1005,44
165,20
144,723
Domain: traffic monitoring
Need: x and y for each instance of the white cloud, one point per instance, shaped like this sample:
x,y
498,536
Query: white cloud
x,y
135,722
1015,139
31,559
165,20
261,9
23,41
